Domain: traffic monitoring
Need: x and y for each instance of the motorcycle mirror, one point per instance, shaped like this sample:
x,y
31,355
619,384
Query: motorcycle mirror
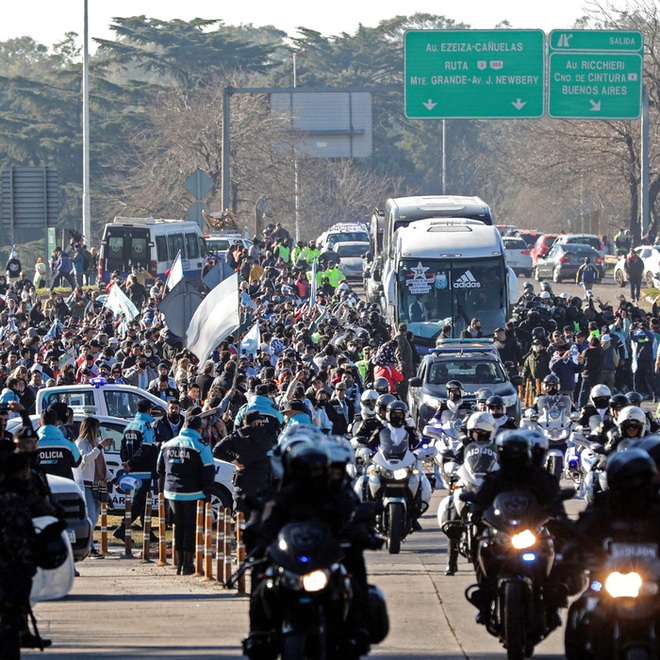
x,y
415,382
465,497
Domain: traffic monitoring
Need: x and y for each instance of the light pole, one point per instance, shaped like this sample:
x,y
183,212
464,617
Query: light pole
x,y
296,197
86,212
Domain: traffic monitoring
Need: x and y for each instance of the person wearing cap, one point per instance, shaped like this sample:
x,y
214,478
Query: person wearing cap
x,y
248,449
138,455
186,473
340,410
296,412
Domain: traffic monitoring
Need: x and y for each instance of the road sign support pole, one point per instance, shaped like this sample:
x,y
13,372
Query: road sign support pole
x,y
644,165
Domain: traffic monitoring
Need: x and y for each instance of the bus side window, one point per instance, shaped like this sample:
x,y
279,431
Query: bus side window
x,y
161,249
203,248
192,248
175,242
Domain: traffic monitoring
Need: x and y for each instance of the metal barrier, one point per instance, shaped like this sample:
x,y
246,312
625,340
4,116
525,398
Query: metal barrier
x,y
208,542
162,527
128,540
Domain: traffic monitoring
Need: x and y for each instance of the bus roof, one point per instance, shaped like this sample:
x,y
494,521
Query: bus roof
x,y
448,238
423,206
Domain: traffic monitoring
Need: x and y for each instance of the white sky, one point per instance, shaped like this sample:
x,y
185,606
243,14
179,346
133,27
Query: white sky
x,y
47,21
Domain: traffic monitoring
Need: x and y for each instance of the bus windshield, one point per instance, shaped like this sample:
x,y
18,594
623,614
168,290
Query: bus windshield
x,y
434,292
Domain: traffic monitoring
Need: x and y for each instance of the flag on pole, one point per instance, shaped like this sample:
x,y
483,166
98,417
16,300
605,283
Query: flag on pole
x,y
68,357
176,272
252,340
312,292
120,303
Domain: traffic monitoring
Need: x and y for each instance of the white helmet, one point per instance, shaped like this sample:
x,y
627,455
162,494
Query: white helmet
x,y
484,424
369,399
545,296
600,396
631,416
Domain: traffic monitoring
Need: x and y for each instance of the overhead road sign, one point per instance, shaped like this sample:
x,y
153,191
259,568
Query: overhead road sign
x,y
595,74
474,74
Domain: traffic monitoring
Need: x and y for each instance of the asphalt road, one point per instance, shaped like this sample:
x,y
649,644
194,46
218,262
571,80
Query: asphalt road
x,y
122,609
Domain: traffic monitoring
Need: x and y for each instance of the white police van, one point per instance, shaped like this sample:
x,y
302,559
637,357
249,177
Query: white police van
x,y
151,244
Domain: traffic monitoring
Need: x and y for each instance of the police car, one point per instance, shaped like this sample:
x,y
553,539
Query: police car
x,y
113,428
100,398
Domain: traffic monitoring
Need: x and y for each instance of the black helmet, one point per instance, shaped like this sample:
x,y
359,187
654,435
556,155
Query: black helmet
x,y
483,395
453,387
397,411
308,466
619,401
651,445
551,383
551,325
496,401
538,332
374,317
384,400
629,469
52,551
382,385
634,398
515,451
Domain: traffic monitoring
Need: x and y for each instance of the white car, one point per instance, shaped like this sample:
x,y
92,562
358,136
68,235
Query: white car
x,y
100,398
113,428
351,258
517,255
650,255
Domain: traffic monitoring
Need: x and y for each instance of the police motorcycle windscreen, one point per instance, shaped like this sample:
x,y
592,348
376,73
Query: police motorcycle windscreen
x,y
305,547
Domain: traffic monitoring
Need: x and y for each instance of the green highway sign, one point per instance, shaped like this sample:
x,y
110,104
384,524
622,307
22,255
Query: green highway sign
x,y
595,74
598,40
474,74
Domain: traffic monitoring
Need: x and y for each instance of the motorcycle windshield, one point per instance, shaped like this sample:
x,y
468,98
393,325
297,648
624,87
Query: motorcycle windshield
x,y
515,510
480,459
391,448
305,546
550,404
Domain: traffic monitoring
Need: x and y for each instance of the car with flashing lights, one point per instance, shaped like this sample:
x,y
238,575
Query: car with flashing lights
x,y
100,398
475,363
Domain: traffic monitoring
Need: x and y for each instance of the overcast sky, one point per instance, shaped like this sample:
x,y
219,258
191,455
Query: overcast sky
x,y
47,21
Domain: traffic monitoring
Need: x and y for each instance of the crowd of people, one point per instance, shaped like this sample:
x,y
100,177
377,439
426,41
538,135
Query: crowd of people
x,y
325,361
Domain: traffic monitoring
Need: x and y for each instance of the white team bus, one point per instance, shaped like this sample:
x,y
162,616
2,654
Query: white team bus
x,y
447,271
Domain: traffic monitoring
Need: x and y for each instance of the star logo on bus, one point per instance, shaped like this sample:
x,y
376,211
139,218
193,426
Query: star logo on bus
x,y
419,273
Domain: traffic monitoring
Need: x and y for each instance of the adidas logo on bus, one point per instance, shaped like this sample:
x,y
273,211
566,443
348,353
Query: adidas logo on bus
x,y
467,281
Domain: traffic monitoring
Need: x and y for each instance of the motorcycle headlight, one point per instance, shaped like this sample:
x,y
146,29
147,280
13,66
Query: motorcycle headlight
x,y
509,400
399,474
315,581
523,540
623,585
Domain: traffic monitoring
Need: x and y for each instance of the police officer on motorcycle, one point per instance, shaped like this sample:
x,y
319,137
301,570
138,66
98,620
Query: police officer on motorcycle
x,y
495,406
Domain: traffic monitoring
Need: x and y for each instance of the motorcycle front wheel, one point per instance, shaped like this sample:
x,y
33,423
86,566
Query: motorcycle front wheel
x,y
301,646
513,620
395,515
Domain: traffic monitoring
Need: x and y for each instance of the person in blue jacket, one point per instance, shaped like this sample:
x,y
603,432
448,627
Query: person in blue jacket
x,y
272,418
138,454
186,473
57,454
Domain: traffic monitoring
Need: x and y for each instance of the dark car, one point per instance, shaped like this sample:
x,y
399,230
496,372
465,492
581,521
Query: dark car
x,y
475,369
562,262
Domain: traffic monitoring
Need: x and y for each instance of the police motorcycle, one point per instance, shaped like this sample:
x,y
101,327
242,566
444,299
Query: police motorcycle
x,y
515,553
618,615
454,513
303,599
443,431
395,478
553,417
